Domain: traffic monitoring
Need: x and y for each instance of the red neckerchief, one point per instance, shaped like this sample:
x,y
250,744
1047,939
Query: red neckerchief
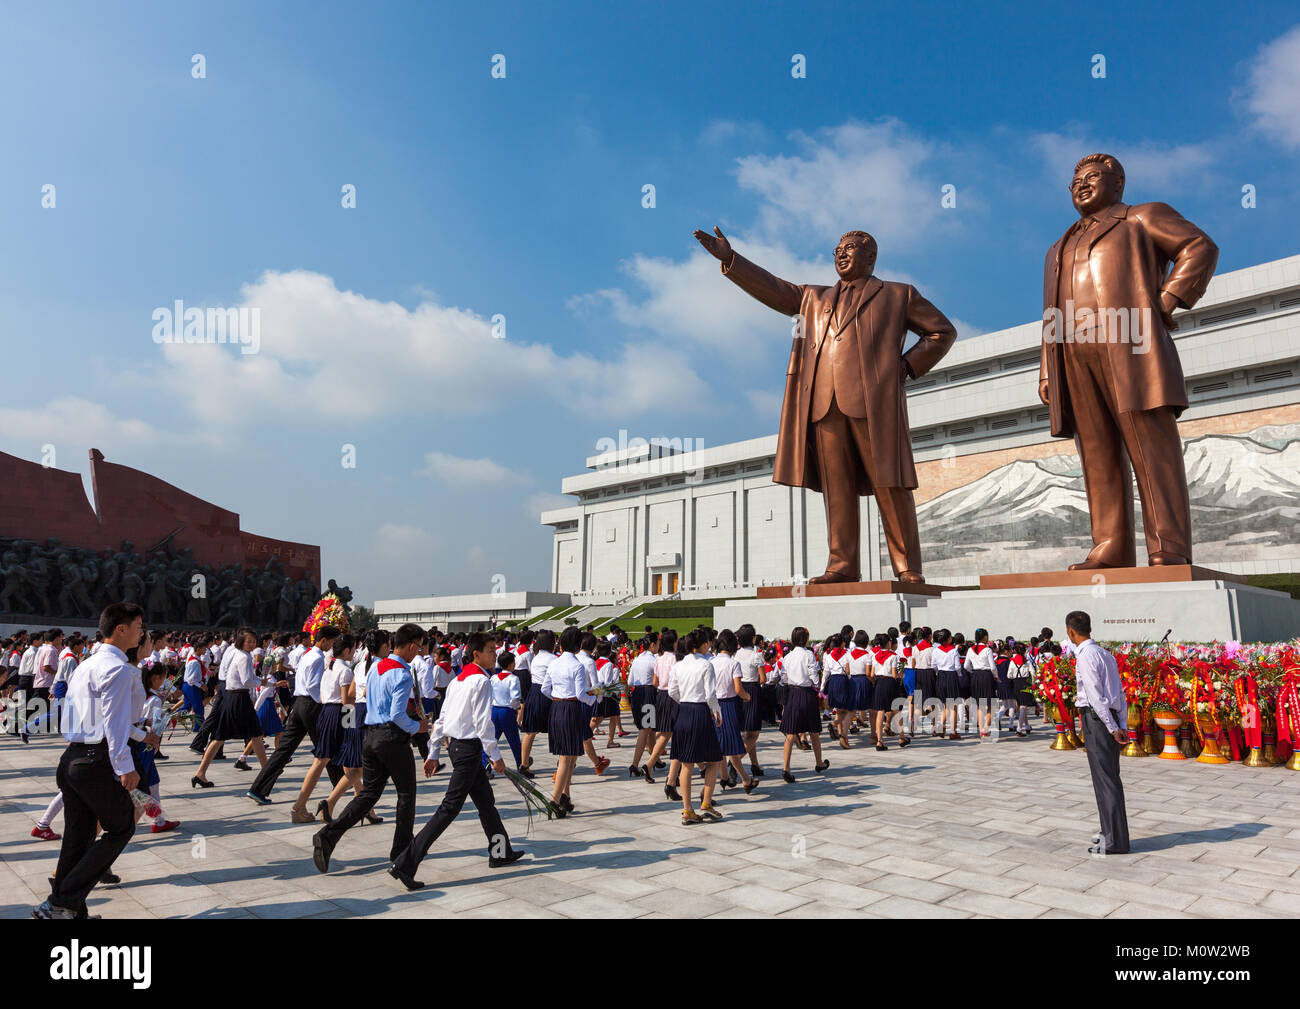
x,y
979,649
388,664
883,655
602,662
470,670
857,653
445,665
521,649
837,654
924,645
907,651
1018,660
504,673
945,648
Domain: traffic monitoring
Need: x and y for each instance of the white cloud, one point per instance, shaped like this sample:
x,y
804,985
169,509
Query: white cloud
x,y
690,303
462,473
397,542
1148,167
78,424
327,354
543,501
879,177
1273,94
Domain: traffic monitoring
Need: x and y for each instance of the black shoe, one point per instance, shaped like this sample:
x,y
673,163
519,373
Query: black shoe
x,y
904,741
526,773
672,793
755,771
196,749
107,878
753,784
323,810
853,730
197,782
410,882
566,803
239,765
633,771
645,773
881,746
660,765
320,853
822,766
510,859
161,756
787,777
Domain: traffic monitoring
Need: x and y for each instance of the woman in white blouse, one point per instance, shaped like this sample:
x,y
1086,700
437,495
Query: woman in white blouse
x,y
693,686
799,668
732,695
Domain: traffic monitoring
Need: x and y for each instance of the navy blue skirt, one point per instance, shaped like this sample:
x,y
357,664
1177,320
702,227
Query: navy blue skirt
x,y
884,692
537,711
925,682
751,711
568,721
607,707
860,693
269,719
839,694
236,719
983,686
643,706
729,731
695,736
329,733
801,712
143,758
349,751
946,685
665,711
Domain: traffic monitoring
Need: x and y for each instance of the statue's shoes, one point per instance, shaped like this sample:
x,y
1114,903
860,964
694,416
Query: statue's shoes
x,y
911,578
833,577
1090,565
1164,558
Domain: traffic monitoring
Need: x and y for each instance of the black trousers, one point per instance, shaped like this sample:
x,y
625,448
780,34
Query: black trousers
x,y
92,793
468,779
386,753
1103,762
302,722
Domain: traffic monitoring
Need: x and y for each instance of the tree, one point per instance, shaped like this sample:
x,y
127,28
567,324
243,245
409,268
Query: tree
x,y
362,619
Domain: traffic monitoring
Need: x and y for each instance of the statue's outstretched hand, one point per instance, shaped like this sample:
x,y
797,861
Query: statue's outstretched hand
x,y
719,248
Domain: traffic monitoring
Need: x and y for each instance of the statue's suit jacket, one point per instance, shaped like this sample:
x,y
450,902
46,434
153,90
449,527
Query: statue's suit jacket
x,y
1135,254
885,313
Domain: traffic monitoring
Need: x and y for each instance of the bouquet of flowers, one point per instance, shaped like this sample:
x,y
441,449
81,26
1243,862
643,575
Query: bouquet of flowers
x,y
329,612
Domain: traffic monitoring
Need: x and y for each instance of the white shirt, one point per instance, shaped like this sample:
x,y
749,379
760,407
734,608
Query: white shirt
x,y
751,663
726,670
443,674
1099,686
946,657
834,664
641,672
982,656
67,663
27,667
295,653
194,672
567,677
425,671
606,671
695,682
223,668
505,690
311,667
523,659
541,663
332,681
884,662
467,713
799,667
860,662
240,672
99,705
923,655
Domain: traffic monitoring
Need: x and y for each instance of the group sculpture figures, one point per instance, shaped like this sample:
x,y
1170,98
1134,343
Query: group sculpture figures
x,y
1109,373
60,581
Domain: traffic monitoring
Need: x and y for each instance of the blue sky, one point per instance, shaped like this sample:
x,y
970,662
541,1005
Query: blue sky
x,y
522,197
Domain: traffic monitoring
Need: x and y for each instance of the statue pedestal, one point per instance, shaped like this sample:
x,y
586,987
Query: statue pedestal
x,y
1126,604
824,612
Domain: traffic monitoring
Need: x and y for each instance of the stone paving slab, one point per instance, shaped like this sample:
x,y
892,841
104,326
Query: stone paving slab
x,y
941,829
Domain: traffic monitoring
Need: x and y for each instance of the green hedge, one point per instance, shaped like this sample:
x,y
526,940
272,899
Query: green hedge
x,y
1284,582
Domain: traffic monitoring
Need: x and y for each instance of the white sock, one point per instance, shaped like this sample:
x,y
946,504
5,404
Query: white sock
x,y
156,791
51,811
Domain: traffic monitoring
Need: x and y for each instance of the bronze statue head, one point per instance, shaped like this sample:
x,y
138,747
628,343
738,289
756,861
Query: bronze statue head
x,y
855,256
1097,184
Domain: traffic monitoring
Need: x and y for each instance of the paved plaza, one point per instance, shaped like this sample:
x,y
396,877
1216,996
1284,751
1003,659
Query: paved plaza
x,y
941,829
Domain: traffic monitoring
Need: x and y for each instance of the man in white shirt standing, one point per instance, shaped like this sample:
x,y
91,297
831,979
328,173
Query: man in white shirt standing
x,y
1105,720
96,773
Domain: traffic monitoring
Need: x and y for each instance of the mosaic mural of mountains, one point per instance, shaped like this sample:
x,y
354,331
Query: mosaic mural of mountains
x,y
1033,514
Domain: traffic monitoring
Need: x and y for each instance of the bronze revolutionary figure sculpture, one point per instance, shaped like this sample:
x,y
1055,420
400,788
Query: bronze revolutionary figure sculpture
x,y
844,428
1109,370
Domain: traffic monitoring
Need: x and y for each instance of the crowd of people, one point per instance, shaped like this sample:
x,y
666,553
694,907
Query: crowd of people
x,y
685,704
